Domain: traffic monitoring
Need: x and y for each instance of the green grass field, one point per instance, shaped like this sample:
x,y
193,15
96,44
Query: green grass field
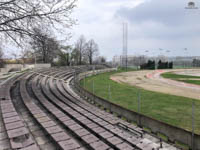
x,y
197,82
171,109
182,78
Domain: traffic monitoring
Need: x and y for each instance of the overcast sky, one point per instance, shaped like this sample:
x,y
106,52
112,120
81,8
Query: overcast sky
x,y
152,24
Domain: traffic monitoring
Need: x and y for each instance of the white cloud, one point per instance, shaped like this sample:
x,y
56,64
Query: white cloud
x,y
127,3
152,24
96,20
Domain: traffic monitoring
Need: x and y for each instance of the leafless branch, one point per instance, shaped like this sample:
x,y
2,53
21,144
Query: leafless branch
x,y
18,18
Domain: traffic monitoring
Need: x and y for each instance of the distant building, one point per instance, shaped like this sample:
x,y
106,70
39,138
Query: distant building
x,y
139,60
131,60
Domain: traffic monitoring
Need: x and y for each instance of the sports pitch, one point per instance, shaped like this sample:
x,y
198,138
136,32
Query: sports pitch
x,y
164,106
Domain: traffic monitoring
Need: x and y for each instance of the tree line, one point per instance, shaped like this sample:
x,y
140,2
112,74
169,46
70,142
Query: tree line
x,y
43,47
1,57
161,65
49,50
81,53
196,63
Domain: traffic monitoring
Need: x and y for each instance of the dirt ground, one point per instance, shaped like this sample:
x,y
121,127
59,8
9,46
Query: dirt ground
x,y
151,80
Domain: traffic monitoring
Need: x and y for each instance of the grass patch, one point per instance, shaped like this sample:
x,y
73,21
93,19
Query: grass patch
x,y
123,118
134,123
174,110
163,137
197,82
147,129
171,75
182,78
182,146
121,69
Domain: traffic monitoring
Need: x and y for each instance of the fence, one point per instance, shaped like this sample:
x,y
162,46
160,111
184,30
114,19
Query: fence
x,y
174,134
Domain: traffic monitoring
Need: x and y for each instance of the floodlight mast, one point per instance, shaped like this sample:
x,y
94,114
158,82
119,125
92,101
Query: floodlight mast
x,y
191,5
125,46
35,59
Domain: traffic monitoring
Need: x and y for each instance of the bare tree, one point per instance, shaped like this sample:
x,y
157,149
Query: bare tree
x,y
27,56
44,45
18,18
15,55
91,50
1,57
100,60
65,55
1,53
80,49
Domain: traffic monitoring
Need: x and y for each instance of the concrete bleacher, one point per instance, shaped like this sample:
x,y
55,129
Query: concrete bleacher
x,y
70,122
